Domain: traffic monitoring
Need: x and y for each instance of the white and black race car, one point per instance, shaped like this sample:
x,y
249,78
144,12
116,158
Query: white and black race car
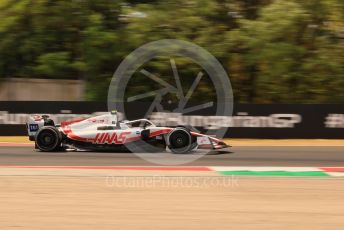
x,y
106,133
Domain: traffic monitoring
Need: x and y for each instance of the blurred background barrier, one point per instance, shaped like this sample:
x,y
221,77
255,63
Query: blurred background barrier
x,y
31,89
325,121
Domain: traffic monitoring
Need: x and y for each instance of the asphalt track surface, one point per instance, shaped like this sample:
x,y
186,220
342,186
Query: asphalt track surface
x,y
239,156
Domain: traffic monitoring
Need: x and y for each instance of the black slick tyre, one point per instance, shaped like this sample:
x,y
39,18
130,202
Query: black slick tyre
x,y
180,141
48,139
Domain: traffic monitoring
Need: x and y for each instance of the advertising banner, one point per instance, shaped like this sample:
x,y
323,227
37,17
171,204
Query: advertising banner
x,y
247,121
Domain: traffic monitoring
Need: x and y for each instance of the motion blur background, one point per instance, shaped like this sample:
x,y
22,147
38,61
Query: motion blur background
x,y
274,51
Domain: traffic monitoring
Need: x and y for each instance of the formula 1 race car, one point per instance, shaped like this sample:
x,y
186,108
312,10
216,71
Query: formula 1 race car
x,y
106,133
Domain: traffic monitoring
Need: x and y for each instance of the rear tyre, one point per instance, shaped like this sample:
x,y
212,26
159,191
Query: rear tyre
x,y
48,139
180,141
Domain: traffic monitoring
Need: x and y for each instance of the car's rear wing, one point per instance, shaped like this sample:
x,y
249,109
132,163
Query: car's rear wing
x,y
36,122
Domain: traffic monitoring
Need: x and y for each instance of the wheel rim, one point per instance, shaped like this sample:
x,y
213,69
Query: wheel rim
x,y
179,141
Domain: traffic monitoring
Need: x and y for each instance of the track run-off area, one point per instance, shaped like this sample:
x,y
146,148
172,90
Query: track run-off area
x,y
250,187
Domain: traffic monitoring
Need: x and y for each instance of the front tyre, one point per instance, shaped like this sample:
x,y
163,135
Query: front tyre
x,y
180,141
48,139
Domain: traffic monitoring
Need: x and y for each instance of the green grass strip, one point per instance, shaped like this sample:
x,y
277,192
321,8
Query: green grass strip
x,y
274,173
